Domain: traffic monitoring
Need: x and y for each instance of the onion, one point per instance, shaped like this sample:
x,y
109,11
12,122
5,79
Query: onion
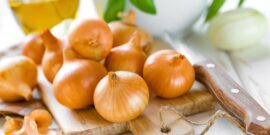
x,y
123,31
52,59
128,57
237,29
18,75
38,121
168,73
121,96
91,39
75,82
33,48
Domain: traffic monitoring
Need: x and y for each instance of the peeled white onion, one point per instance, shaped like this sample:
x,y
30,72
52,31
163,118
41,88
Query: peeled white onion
x,y
237,29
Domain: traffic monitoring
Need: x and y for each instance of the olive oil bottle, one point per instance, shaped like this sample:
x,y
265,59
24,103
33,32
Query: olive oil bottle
x,y
37,15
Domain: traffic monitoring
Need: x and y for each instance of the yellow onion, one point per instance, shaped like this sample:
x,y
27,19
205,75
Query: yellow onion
x,y
33,48
75,82
168,73
91,39
18,75
121,96
52,59
128,57
123,31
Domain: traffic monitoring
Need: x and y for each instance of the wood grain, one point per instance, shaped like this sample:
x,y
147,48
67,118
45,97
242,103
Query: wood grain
x,y
234,98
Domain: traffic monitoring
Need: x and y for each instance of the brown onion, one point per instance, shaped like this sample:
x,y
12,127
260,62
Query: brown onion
x,y
123,31
52,59
121,96
168,73
75,82
18,75
33,48
42,118
128,57
91,39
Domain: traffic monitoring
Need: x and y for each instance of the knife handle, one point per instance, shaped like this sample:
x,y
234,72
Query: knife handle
x,y
233,98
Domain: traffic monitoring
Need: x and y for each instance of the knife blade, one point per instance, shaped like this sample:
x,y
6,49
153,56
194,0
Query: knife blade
x,y
232,97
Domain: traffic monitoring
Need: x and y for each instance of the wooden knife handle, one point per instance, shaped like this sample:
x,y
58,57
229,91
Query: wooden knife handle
x,y
233,98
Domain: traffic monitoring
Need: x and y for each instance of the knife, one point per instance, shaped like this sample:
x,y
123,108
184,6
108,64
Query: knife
x,y
231,96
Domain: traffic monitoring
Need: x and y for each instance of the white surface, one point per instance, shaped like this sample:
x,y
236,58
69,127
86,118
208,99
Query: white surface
x,y
172,15
252,67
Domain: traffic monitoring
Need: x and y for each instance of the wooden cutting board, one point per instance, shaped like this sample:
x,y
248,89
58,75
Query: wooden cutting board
x,y
88,121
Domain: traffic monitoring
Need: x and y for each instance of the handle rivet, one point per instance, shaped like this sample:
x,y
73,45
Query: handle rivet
x,y
260,118
234,90
210,65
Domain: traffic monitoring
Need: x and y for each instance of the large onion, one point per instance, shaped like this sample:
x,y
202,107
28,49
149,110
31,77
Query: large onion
x,y
121,96
123,31
91,38
76,81
168,73
18,75
237,29
33,48
128,57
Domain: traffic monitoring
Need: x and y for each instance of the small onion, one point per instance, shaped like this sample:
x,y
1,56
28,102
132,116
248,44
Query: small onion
x,y
33,48
121,96
237,29
128,57
168,73
76,81
18,75
123,31
52,59
91,38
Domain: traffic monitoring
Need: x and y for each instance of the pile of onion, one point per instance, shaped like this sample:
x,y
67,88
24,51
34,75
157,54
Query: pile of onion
x,y
128,57
33,48
121,96
52,59
168,73
76,81
36,122
123,31
18,75
91,39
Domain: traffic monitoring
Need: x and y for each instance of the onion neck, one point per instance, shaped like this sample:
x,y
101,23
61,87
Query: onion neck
x,y
50,42
113,78
128,18
177,58
135,41
25,91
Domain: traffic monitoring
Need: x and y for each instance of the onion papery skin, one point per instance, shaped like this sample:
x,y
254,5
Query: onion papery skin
x,y
128,57
33,48
123,30
42,118
76,81
91,39
18,75
53,57
168,74
121,96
